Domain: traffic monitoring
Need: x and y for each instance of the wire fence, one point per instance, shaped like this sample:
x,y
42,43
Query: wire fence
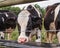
x,y
33,30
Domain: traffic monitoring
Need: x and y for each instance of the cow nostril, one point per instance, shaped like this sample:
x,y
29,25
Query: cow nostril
x,y
23,40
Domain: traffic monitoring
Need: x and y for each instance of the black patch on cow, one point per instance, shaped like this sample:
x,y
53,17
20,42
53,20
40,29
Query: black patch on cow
x,y
31,9
34,20
19,28
48,19
9,21
53,6
2,11
2,24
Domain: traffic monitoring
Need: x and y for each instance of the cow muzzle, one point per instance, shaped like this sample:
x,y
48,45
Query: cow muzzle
x,y
22,39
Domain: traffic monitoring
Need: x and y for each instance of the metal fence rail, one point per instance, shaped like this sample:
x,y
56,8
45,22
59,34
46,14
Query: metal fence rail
x,y
15,44
14,2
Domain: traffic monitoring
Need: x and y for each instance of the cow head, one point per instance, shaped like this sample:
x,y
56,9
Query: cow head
x,y
7,22
10,21
28,19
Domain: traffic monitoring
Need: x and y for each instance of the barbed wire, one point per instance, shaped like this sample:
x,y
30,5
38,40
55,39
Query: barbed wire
x,y
32,30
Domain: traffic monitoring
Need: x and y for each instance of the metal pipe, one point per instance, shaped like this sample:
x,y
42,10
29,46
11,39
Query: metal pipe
x,y
14,2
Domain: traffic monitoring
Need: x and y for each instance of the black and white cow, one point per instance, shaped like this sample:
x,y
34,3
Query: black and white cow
x,y
30,22
52,22
7,22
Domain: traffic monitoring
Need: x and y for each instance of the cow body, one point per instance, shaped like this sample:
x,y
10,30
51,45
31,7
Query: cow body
x,y
7,22
30,22
52,21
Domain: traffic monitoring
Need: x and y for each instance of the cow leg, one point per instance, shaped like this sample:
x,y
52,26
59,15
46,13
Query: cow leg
x,y
30,37
53,35
38,36
58,36
9,31
9,36
49,37
1,35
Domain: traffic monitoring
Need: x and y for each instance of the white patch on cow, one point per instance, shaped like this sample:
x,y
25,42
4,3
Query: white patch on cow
x,y
2,19
23,18
6,14
1,34
56,11
58,36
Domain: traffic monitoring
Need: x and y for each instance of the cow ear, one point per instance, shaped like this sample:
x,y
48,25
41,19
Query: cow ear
x,y
30,7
